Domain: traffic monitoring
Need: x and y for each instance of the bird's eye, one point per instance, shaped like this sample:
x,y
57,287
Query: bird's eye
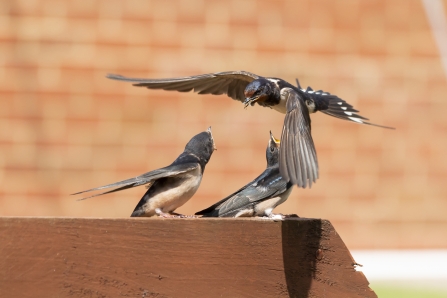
x,y
272,149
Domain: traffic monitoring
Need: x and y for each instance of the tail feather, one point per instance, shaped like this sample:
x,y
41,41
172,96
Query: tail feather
x,y
334,106
132,182
106,192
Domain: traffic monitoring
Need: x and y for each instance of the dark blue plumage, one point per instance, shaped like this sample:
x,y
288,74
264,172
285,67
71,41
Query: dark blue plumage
x,y
260,196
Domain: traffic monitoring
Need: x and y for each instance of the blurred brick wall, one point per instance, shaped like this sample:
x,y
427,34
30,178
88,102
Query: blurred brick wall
x,y
64,127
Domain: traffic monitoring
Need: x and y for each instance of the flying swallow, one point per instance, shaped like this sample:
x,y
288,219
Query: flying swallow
x,y
172,186
260,196
298,160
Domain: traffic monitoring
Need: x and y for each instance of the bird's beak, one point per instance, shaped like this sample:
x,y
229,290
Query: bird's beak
x,y
214,144
277,141
251,100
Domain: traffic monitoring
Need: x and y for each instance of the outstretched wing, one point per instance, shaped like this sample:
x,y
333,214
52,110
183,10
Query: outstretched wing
x,y
146,178
232,83
297,156
334,106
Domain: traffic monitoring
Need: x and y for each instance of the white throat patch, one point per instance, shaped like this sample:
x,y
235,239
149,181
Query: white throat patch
x,y
274,81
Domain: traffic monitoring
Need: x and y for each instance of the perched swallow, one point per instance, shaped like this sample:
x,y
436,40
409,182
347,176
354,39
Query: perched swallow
x,y
172,186
298,161
259,197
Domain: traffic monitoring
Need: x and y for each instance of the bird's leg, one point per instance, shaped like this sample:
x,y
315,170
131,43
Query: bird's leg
x,y
162,214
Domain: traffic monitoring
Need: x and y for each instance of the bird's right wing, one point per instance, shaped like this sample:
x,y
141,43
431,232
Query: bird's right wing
x,y
232,83
297,156
269,184
215,206
146,178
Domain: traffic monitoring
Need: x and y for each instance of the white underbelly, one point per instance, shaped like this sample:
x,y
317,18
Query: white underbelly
x,y
173,197
272,203
281,107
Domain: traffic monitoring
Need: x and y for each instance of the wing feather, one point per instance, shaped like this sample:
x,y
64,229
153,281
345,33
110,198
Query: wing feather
x,y
146,178
231,83
267,185
334,106
297,155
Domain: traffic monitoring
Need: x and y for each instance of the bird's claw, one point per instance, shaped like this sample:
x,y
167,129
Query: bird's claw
x,y
167,215
185,216
178,215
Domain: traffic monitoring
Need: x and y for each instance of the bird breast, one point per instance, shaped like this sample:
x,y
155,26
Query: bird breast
x,y
171,198
271,203
281,106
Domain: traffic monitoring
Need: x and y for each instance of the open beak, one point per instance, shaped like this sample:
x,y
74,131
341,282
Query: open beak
x,y
214,144
277,141
251,101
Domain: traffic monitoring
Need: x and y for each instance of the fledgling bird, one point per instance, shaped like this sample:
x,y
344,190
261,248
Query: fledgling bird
x,y
260,196
172,186
298,160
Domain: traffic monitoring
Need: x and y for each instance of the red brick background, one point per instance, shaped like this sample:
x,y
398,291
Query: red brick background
x,y
64,127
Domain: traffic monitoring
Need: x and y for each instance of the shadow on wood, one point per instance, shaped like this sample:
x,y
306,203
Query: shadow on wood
x,y
300,264
140,257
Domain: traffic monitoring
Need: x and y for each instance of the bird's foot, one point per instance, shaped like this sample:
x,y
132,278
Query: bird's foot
x,y
178,215
190,216
166,215
160,213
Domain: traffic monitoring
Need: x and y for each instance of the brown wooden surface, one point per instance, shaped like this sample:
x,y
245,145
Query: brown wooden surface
x,y
87,257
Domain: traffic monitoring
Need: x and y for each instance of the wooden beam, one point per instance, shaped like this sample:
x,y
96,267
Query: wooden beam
x,y
140,257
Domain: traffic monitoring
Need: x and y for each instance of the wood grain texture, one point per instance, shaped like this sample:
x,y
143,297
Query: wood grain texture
x,y
86,257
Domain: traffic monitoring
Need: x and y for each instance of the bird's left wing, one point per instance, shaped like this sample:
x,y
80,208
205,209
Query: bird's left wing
x,y
269,184
146,178
232,83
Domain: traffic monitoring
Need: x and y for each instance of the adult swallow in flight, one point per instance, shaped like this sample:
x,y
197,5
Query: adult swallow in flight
x,y
298,160
172,186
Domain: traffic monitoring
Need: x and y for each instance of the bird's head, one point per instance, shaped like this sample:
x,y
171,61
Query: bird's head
x,y
258,91
272,152
202,145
